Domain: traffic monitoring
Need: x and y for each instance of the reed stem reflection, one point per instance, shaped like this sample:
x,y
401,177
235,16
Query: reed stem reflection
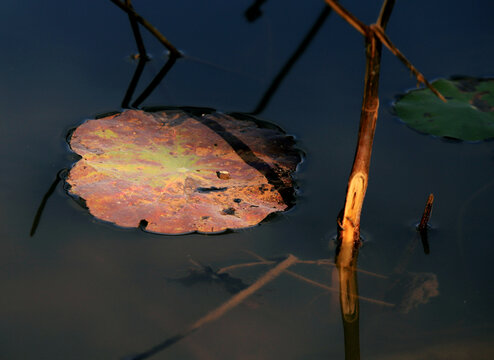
x,y
346,265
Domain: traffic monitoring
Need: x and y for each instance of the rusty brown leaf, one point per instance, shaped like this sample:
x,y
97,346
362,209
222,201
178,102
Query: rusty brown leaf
x,y
177,173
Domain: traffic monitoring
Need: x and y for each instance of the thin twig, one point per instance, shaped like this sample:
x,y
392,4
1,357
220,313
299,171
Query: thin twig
x,y
349,17
148,26
379,32
385,13
239,266
135,30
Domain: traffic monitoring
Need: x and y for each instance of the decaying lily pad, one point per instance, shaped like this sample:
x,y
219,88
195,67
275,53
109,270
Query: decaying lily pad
x,y
178,173
468,114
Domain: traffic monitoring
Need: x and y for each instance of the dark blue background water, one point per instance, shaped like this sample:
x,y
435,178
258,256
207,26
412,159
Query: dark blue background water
x,y
80,289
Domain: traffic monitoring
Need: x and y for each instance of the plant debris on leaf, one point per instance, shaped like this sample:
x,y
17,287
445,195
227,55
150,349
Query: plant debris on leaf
x,y
468,114
176,173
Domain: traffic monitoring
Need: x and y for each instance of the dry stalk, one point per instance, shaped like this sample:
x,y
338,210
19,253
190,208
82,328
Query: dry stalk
x,y
378,31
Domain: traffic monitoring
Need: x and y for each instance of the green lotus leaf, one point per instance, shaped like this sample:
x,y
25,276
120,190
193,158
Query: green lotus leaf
x,y
468,114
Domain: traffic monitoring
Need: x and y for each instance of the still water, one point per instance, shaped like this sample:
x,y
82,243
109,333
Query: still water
x,y
83,289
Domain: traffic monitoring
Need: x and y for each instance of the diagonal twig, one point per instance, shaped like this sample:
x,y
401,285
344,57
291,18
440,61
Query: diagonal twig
x,y
378,30
129,10
349,17
381,35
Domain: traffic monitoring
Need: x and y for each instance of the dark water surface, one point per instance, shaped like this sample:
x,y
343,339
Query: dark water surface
x,y
81,289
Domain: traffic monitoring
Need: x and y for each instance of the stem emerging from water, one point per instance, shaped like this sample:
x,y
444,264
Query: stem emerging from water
x,y
349,218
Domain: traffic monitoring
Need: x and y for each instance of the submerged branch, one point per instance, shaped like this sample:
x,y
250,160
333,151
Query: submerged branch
x,y
322,286
228,305
319,262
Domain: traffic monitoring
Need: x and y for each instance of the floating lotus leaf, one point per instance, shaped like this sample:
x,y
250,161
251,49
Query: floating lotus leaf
x,y
468,114
176,173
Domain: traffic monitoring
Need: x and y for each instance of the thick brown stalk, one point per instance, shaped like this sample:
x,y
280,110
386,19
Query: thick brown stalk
x,y
349,222
349,218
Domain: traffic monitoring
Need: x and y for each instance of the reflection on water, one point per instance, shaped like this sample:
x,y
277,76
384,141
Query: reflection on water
x,y
349,304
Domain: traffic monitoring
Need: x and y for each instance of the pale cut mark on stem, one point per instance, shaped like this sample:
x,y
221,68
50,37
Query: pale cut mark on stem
x,y
351,216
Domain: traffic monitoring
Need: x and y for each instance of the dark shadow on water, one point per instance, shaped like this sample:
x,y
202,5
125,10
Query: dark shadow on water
x,y
47,195
156,81
275,84
143,59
